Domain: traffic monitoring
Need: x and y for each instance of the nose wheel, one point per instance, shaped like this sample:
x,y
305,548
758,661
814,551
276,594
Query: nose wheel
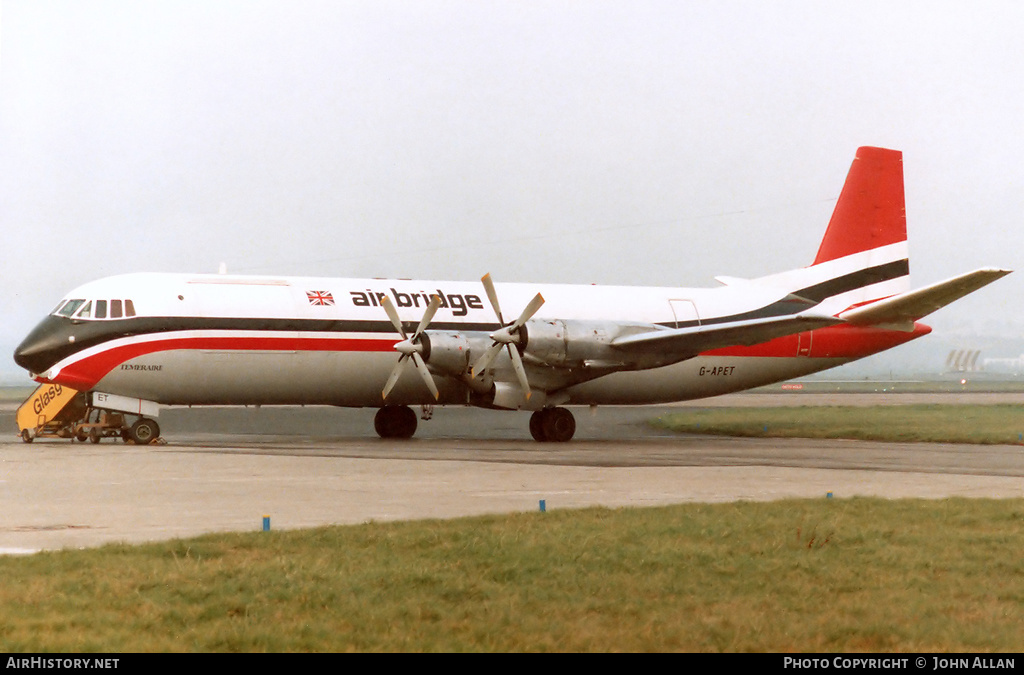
x,y
552,425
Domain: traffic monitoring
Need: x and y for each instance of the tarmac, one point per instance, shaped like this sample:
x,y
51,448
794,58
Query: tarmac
x,y
227,469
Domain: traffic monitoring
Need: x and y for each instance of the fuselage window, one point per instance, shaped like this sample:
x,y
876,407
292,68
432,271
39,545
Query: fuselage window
x,y
101,309
129,308
69,307
115,309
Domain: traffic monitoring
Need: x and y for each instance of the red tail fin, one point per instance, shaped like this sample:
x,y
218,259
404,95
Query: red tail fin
x,y
871,210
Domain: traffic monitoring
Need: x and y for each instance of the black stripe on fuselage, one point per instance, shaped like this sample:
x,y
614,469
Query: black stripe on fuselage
x,y
855,280
48,343
805,298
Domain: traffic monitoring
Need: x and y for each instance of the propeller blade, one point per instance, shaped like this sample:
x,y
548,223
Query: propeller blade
x,y
393,315
435,302
517,363
530,310
507,335
410,347
396,372
492,295
485,360
421,368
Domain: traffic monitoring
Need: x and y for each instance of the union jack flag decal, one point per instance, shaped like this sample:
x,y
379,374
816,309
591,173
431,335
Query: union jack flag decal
x,y
320,297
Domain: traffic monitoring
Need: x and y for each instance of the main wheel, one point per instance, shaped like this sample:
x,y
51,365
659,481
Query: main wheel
x,y
556,425
559,425
144,431
395,421
537,426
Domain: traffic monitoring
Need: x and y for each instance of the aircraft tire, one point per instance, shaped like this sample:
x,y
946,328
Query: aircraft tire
x,y
557,425
537,426
395,421
144,431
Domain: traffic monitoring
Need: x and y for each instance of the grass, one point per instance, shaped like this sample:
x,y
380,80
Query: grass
x,y
983,424
790,576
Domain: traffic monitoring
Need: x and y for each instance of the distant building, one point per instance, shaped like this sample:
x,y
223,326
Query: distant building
x,y
1015,366
964,361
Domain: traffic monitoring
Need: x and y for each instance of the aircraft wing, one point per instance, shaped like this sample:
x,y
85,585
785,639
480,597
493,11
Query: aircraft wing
x,y
901,311
697,339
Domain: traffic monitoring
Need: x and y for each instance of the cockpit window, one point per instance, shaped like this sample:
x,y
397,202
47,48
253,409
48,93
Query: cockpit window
x,y
95,309
70,307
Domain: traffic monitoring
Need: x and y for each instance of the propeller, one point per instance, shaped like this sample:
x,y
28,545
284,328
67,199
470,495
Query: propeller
x,y
411,347
509,336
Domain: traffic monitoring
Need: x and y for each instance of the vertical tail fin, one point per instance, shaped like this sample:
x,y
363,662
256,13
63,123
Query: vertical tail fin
x,y
862,271
864,252
863,256
871,211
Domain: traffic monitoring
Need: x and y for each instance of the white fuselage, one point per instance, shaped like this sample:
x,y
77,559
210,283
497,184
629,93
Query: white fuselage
x,y
214,339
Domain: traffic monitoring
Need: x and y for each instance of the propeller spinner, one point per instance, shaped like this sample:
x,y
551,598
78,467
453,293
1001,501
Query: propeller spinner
x,y
411,347
509,336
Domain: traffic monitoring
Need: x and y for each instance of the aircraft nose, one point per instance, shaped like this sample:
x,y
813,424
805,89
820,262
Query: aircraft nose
x,y
31,355
41,348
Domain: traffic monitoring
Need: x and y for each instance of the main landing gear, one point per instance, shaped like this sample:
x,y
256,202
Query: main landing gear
x,y
395,421
550,425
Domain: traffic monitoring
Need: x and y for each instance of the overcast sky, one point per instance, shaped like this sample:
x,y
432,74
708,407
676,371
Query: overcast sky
x,y
617,142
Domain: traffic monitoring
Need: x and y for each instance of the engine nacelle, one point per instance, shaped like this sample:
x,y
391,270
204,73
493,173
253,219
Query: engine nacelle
x,y
453,353
446,352
571,343
587,344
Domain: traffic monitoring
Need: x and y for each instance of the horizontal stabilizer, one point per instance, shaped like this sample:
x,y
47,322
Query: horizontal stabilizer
x,y
732,281
696,339
905,308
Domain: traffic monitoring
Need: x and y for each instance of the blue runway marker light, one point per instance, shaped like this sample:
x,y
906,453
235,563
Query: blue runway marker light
x,y
543,506
266,523
828,495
